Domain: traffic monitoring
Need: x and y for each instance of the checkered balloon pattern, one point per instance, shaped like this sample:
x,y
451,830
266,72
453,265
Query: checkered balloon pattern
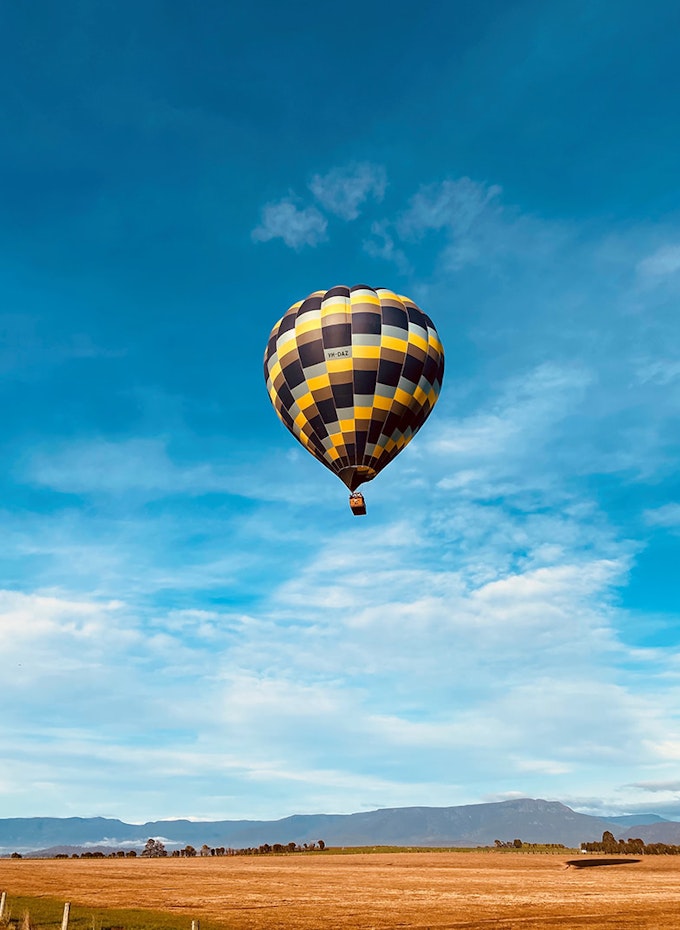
x,y
354,373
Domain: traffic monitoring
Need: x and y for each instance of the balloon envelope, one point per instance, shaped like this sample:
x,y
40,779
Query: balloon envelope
x,y
354,373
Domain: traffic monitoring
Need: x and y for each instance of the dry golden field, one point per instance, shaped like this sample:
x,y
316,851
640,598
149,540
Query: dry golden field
x,y
503,891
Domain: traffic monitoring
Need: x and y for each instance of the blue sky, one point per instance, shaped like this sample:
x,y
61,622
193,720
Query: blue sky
x,y
192,623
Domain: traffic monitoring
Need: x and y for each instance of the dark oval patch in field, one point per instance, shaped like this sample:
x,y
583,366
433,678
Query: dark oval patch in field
x,y
587,863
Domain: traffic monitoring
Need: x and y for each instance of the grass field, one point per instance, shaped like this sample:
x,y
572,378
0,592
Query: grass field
x,y
474,890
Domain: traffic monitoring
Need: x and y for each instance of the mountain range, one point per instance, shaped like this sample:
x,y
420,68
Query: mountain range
x,y
531,820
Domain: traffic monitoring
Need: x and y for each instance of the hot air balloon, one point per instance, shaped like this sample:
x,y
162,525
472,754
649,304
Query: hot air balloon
x,y
353,373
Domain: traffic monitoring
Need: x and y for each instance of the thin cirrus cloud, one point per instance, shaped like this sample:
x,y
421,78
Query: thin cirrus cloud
x,y
382,244
467,211
667,516
474,225
662,263
454,204
506,445
136,465
147,469
661,371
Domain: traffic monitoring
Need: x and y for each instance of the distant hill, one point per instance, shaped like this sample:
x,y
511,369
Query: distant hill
x,y
533,821
667,831
69,851
626,820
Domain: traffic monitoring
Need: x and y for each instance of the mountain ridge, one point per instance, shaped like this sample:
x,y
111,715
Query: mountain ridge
x,y
533,820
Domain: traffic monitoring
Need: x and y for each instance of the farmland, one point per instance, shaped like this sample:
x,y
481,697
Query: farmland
x,y
475,890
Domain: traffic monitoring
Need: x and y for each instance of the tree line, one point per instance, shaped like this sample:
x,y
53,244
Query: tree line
x,y
154,849
263,850
609,844
520,844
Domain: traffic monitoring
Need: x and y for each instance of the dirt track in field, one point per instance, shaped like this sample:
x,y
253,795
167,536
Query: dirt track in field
x,y
476,891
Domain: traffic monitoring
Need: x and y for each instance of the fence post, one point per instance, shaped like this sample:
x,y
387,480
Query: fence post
x,y
3,902
64,919
195,925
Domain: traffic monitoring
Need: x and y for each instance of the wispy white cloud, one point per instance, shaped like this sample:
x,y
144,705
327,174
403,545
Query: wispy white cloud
x,y
381,244
470,214
33,625
297,226
133,465
543,766
343,191
667,515
475,228
662,263
662,371
145,468
504,449
654,786
666,748
455,205
28,352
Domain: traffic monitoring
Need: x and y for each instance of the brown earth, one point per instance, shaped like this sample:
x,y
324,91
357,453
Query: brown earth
x,y
477,891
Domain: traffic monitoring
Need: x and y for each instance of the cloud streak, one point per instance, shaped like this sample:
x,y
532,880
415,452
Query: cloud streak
x,y
296,226
343,191
660,264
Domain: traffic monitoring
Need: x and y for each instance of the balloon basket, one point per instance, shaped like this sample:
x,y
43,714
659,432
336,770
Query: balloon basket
x,y
357,503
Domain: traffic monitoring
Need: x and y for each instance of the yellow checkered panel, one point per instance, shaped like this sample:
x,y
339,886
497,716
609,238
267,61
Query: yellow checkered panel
x,y
354,373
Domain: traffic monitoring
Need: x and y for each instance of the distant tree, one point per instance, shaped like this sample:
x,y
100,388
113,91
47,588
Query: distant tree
x,y
635,845
498,844
291,847
321,844
154,849
189,851
609,842
205,850
517,844
16,855
131,854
